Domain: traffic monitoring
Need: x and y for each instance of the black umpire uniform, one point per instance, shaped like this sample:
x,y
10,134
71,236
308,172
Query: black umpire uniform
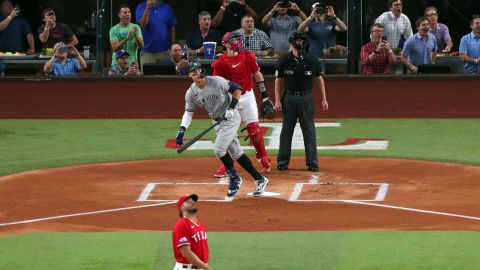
x,y
298,73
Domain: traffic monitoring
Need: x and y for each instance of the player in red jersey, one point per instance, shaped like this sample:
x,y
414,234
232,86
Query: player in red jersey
x,y
238,65
190,244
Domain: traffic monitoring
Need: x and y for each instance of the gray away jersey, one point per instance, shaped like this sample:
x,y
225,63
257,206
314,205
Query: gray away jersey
x,y
214,96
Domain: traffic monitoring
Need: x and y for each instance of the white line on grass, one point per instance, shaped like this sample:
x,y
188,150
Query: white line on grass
x,y
85,214
411,209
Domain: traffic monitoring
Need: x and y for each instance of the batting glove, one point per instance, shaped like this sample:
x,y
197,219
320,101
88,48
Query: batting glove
x,y
179,138
229,114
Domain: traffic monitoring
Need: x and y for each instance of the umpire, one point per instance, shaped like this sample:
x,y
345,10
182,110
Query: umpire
x,y
296,74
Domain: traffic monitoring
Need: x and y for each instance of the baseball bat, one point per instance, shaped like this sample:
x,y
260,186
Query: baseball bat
x,y
184,146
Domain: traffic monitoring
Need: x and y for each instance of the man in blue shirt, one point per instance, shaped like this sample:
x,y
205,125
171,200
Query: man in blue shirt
x,y
420,48
203,33
61,65
470,47
14,30
158,28
321,28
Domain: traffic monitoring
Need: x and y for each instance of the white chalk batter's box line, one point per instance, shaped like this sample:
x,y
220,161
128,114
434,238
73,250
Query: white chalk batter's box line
x,y
380,196
151,186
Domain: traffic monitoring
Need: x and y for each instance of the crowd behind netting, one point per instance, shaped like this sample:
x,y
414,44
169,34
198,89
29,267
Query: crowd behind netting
x,y
145,36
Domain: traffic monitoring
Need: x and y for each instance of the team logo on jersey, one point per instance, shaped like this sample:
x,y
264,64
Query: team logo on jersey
x,y
289,72
183,240
235,65
308,73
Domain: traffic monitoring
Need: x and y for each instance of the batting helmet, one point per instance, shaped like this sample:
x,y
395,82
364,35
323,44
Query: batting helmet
x,y
192,65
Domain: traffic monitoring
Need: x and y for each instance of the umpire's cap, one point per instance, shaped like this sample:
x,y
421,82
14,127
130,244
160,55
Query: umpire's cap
x,y
297,35
194,65
182,199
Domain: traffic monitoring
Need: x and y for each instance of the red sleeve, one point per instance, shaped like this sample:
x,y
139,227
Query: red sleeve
x,y
217,67
252,62
181,235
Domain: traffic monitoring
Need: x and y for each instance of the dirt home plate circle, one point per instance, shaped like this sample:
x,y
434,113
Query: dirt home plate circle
x,y
346,194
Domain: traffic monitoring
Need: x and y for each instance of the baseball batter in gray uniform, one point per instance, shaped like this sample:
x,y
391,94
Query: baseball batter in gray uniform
x,y
219,97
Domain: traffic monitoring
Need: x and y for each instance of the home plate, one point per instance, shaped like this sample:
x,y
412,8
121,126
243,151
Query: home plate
x,y
266,194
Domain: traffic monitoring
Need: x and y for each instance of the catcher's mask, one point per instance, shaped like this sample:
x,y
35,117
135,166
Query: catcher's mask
x,y
234,39
295,37
195,65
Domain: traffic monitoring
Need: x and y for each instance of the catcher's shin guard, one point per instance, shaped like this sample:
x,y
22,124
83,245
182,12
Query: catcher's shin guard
x,y
256,139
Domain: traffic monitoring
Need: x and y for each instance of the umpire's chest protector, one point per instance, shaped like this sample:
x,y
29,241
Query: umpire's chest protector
x,y
298,73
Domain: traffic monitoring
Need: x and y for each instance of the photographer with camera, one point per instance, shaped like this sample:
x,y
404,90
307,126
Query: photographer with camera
x,y
283,25
178,59
14,30
61,65
52,32
377,55
321,28
230,14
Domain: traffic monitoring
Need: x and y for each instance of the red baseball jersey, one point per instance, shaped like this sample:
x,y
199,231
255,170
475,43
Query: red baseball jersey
x,y
186,232
238,69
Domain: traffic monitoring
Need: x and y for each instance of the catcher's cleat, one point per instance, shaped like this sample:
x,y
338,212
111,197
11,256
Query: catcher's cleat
x,y
221,172
265,162
234,186
260,186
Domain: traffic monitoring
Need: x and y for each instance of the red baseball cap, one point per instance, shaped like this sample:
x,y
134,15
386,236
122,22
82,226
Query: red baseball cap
x,y
182,199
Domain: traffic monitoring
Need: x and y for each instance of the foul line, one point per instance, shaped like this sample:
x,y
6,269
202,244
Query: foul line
x,y
411,209
85,214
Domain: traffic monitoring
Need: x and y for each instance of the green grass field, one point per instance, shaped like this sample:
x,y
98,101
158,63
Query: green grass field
x,y
270,250
37,144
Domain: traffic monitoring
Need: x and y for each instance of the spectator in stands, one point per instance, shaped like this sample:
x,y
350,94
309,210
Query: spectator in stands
x,y
397,25
254,40
2,69
158,23
14,30
122,65
203,33
321,27
439,30
377,55
470,47
53,32
126,36
60,65
420,48
178,59
230,14
283,25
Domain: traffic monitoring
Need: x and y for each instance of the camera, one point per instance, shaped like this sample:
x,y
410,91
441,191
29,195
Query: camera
x,y
384,39
321,8
50,14
284,4
232,1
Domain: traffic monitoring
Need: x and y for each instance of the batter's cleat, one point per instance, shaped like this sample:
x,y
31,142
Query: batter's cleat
x,y
221,172
265,162
282,167
260,186
234,186
312,167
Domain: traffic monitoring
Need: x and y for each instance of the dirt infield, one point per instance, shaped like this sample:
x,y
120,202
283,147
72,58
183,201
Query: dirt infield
x,y
417,196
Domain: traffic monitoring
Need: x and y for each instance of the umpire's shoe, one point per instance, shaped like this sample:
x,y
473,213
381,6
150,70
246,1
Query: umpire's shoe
x,y
261,185
234,186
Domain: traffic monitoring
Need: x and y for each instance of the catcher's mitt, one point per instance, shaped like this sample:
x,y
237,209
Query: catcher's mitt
x,y
267,110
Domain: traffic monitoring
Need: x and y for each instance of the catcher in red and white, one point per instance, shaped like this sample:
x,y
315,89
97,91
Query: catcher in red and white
x,y
238,65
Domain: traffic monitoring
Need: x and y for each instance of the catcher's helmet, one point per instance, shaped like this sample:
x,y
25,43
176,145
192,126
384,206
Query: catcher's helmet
x,y
297,35
227,39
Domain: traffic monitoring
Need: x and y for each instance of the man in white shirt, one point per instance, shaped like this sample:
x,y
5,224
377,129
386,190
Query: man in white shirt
x,y
397,24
